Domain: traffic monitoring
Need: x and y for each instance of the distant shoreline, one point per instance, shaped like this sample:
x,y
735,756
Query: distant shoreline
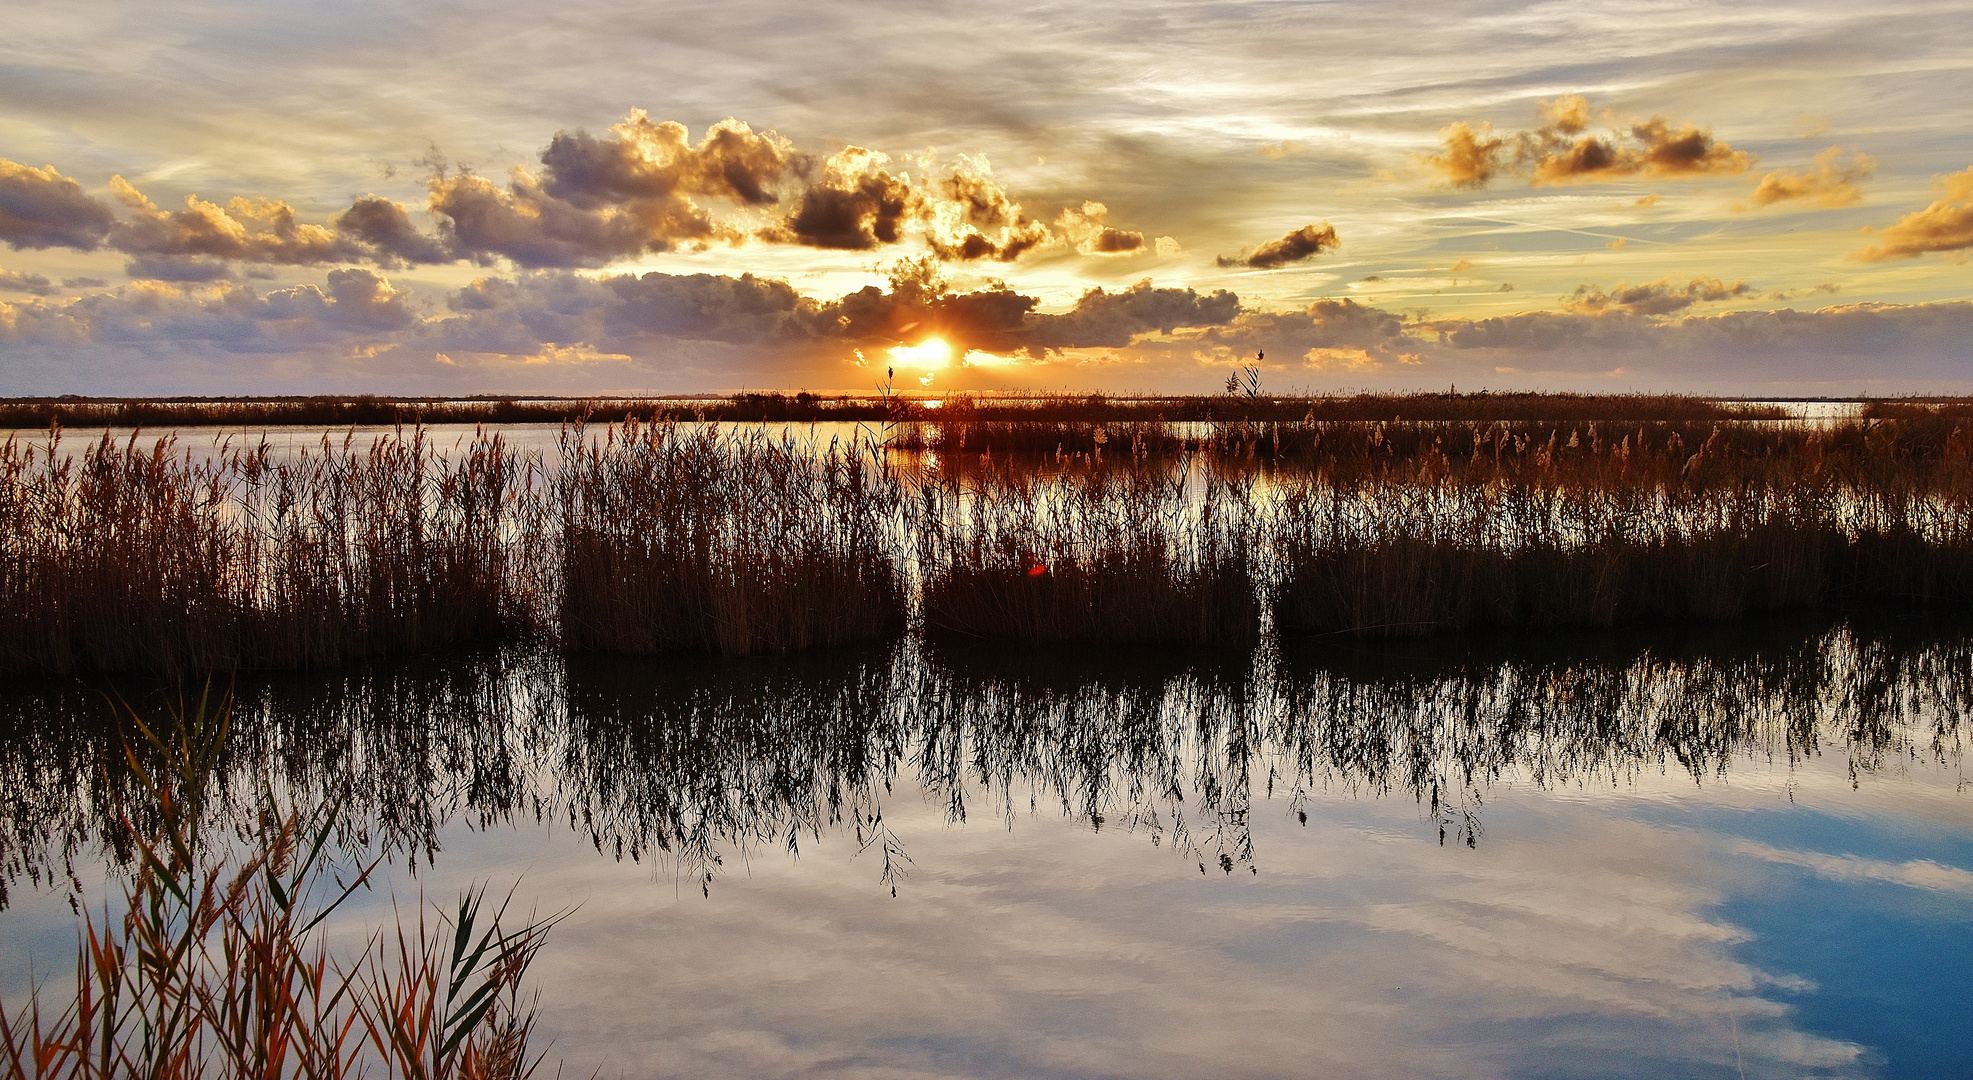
x,y
367,410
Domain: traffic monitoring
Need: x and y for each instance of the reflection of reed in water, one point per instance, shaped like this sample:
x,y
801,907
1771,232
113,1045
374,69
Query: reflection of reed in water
x,y
689,762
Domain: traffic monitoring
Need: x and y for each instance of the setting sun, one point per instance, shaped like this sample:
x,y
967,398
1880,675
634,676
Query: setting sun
x,y
928,354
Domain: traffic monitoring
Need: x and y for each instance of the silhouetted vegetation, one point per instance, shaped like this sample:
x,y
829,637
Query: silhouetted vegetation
x,y
684,539
129,555
1118,554
217,965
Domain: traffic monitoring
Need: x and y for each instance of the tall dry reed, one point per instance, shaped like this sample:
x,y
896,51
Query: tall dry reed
x,y
676,537
1501,530
1091,553
146,556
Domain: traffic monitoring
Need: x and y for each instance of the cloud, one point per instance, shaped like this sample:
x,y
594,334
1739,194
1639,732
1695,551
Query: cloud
x,y
967,215
1470,155
385,228
644,161
1946,225
644,187
41,208
531,228
181,269
356,304
252,230
1832,183
1559,151
1304,243
1090,233
1657,298
31,284
84,283
1114,319
596,200
557,331
857,206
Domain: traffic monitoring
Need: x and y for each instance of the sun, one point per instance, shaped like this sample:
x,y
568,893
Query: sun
x,y
929,354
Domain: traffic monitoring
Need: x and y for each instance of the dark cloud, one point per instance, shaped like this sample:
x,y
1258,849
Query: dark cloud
x,y
1088,230
41,208
1304,243
597,200
1114,319
357,305
84,283
856,206
31,284
1946,225
177,268
701,332
1656,298
625,313
1832,184
644,187
706,307
385,229
1559,151
531,228
643,161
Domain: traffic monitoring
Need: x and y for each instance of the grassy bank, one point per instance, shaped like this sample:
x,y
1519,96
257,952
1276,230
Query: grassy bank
x,y
1388,535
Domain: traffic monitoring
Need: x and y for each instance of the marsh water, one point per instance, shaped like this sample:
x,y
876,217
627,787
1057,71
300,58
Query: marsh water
x,y
1724,851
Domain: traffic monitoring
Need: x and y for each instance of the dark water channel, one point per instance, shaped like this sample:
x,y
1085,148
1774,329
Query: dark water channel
x,y
1717,852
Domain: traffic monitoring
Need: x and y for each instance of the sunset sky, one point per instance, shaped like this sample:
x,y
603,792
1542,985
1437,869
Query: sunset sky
x,y
230,197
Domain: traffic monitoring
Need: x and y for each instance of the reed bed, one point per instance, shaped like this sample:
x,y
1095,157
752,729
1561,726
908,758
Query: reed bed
x,y
1123,554
129,556
1507,531
134,555
682,538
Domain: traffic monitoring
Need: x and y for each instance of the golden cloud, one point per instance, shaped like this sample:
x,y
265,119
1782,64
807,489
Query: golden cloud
x,y
1656,298
1559,152
1944,226
1304,243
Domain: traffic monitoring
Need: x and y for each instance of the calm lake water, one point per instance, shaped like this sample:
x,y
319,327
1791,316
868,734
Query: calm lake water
x,y
1732,851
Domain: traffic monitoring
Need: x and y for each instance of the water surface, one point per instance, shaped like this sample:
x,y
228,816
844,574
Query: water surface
x,y
1734,851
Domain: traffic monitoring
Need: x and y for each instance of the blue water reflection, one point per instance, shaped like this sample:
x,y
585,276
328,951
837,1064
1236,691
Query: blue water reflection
x,y
1742,851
